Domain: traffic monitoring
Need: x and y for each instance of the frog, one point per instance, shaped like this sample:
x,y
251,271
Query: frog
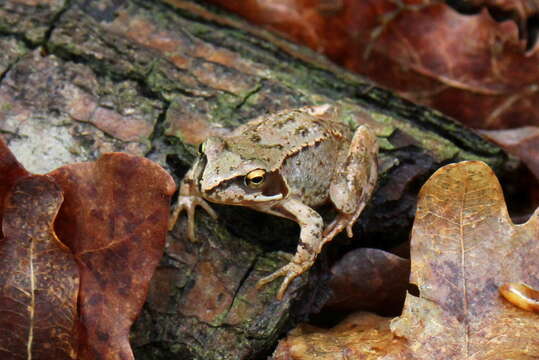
x,y
288,164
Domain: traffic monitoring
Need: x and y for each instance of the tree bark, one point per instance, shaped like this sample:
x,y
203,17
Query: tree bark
x,y
79,78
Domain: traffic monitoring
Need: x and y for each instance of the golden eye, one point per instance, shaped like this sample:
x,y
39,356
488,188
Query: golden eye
x,y
255,179
201,148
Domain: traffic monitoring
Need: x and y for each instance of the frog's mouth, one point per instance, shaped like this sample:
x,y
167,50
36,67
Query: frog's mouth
x,y
235,194
258,198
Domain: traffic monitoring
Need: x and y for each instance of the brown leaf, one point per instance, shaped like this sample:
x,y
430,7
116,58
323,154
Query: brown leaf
x,y
114,219
464,247
10,171
360,336
39,279
522,142
424,50
523,9
369,280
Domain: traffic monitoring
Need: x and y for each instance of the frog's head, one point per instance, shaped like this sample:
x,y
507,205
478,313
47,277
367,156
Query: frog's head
x,y
229,178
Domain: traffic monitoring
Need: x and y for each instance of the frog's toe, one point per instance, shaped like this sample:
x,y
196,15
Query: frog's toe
x,y
341,222
174,216
191,226
290,276
173,219
267,279
207,208
289,271
349,231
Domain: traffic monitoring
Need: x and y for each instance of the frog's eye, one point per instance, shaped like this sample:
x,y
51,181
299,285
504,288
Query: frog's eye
x,y
201,148
255,179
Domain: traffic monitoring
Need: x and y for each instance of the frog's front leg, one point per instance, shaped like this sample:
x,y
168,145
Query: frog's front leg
x,y
310,244
353,182
188,199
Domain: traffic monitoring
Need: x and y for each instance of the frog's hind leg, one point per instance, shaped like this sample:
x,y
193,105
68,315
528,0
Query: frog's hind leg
x,y
309,247
350,190
353,182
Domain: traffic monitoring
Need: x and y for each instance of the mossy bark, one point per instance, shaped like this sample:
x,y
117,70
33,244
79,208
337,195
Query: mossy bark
x,y
78,78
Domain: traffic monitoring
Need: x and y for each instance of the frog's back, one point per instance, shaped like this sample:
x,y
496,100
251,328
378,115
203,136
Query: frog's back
x,y
274,138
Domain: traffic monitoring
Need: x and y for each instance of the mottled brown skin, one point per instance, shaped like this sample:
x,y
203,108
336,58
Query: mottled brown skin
x,y
286,164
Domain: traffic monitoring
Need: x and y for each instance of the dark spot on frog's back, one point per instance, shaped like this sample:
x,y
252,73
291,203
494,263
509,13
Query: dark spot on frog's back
x,y
301,131
274,146
255,138
285,120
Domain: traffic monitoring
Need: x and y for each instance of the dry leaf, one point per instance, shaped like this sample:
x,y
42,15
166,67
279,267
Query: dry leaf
x,y
522,142
113,223
424,50
39,279
114,219
464,247
520,10
10,171
369,280
360,336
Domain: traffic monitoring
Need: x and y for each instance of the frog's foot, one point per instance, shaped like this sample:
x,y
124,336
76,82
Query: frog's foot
x,y
290,271
189,204
338,224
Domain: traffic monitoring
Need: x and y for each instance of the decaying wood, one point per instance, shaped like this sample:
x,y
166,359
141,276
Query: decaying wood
x,y
79,78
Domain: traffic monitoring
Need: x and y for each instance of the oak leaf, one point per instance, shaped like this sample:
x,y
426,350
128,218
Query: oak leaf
x,y
464,247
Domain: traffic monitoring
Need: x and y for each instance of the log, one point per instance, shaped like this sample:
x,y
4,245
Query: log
x,y
153,78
